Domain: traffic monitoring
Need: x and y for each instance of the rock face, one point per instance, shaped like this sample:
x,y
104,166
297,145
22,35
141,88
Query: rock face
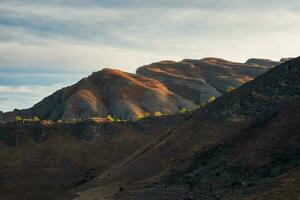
x,y
262,62
197,80
285,59
244,145
107,92
165,87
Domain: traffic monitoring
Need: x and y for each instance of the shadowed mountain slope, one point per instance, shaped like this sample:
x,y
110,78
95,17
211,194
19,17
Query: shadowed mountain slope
x,y
197,80
43,160
219,151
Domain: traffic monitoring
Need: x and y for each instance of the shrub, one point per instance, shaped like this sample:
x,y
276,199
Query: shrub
x,y
139,116
110,118
74,120
18,118
211,99
184,110
35,119
157,114
230,89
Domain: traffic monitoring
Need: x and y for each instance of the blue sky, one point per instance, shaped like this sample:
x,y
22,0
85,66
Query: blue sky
x,y
45,45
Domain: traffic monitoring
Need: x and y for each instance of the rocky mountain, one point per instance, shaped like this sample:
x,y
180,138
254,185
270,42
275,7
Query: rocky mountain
x,y
285,59
244,145
160,88
107,92
264,62
197,80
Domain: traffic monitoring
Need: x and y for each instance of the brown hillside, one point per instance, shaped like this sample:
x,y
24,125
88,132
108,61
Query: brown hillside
x,y
169,88
107,92
209,148
43,160
196,80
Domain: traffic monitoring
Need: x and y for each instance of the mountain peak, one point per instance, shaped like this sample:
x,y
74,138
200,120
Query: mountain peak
x,y
262,62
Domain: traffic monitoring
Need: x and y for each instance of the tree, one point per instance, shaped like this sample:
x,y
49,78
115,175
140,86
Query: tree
x,y
184,110
74,120
211,99
35,119
139,116
230,88
110,118
157,114
18,118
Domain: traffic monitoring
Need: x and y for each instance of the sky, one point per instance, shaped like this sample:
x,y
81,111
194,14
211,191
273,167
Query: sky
x,y
48,44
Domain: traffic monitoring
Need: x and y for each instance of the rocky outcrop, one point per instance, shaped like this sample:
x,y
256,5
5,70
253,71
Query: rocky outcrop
x,y
197,80
107,92
262,62
285,59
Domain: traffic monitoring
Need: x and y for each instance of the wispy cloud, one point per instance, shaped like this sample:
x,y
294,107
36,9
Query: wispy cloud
x,y
84,35
24,96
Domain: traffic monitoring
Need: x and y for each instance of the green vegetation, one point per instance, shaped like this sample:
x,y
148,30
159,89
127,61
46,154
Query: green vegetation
x,y
35,119
140,116
199,106
157,114
74,120
110,118
230,88
18,118
3,136
184,110
211,99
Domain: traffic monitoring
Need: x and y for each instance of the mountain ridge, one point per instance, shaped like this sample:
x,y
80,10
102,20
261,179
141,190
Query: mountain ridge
x,y
183,85
245,112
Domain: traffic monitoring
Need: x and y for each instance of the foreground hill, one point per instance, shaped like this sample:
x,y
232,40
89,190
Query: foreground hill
x,y
244,145
160,88
43,160
197,80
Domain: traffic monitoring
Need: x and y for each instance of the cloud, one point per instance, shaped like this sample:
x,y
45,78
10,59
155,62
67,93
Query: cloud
x,y
24,96
79,57
14,90
147,37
